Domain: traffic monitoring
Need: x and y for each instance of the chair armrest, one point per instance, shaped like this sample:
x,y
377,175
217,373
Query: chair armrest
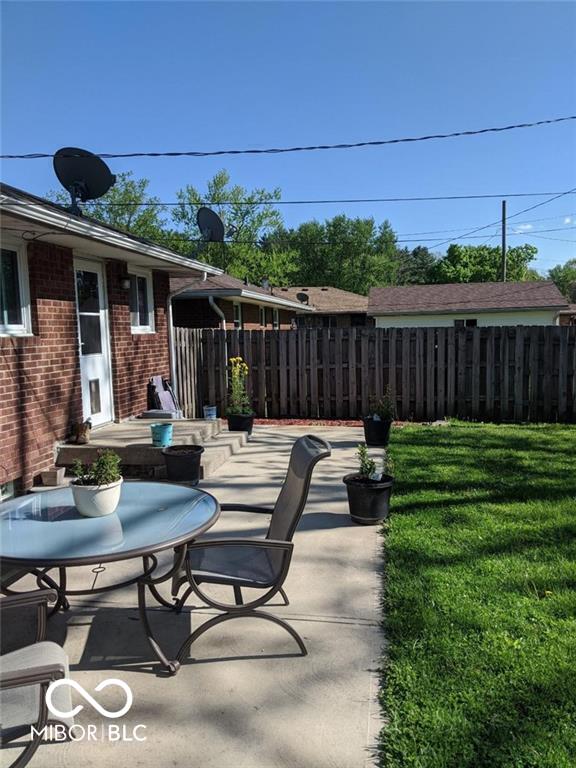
x,y
32,676
26,599
287,546
39,599
245,508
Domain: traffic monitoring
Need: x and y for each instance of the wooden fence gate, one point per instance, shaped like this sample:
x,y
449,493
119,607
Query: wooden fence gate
x,y
516,373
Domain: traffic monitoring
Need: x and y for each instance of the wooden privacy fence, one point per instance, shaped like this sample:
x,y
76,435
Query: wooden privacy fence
x,y
516,373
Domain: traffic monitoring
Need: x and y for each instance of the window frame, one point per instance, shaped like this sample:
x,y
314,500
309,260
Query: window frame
x,y
466,322
7,490
25,327
262,314
276,319
237,315
135,272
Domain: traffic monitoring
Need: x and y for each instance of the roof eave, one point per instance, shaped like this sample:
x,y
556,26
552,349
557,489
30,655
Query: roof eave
x,y
67,222
230,293
464,310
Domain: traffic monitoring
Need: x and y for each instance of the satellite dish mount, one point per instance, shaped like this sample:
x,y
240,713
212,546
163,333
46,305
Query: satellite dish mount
x,y
210,225
83,175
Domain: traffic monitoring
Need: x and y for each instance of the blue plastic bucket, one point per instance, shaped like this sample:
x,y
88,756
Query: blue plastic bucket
x,y
210,412
161,435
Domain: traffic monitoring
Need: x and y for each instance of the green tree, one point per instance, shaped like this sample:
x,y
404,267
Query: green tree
x,y
127,206
349,253
416,266
483,263
564,275
247,215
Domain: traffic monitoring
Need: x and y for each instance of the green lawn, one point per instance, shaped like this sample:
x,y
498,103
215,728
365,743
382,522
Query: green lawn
x,y
480,598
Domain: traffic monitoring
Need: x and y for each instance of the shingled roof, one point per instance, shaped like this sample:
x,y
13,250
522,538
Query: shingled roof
x,y
464,297
326,300
227,286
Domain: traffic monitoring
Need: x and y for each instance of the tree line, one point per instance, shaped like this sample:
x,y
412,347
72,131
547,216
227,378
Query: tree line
x,y
350,253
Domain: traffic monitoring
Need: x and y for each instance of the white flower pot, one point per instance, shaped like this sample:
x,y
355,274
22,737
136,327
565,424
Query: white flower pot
x,y
96,500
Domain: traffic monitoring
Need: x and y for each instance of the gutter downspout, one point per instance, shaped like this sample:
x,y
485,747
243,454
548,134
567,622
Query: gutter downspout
x,y
220,314
170,319
218,311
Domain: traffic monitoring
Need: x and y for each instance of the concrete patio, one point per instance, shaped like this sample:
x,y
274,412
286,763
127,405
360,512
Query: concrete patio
x,y
246,700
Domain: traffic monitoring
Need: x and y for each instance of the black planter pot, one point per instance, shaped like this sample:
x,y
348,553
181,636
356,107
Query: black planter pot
x,y
369,500
183,462
238,422
376,433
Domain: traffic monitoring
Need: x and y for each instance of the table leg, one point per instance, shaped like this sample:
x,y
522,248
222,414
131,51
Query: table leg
x,y
44,580
148,581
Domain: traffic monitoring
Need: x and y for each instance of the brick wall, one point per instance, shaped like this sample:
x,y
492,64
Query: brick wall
x,y
40,384
40,388
197,313
135,357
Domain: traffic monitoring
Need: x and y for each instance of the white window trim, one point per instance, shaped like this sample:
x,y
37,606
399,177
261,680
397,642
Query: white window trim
x,y
236,305
147,274
262,316
276,320
25,327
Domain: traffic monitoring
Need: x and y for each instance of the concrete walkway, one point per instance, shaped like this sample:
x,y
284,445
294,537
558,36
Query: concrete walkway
x,y
246,700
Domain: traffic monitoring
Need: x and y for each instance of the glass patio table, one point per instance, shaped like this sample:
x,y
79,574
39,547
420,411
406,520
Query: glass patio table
x,y
45,530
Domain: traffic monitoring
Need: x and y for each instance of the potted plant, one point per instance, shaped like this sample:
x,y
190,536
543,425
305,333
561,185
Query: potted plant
x,y
370,488
183,463
382,412
239,411
96,489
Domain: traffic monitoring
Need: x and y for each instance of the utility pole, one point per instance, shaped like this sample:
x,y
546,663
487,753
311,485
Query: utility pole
x,y
503,241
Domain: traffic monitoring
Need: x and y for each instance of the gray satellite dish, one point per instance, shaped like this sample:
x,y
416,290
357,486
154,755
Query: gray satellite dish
x,y
84,175
302,297
210,225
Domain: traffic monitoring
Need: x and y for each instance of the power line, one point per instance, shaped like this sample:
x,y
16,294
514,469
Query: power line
x,y
514,215
312,202
557,239
180,237
312,148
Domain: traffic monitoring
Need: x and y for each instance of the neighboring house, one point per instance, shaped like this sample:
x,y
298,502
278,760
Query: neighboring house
x,y
568,315
467,304
84,313
334,308
223,301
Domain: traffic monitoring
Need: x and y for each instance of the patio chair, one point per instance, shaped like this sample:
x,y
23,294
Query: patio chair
x,y
11,574
26,674
253,563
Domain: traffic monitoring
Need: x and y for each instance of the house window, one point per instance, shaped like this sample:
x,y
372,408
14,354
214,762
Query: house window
x,y
470,323
14,292
237,316
141,302
7,491
275,319
262,317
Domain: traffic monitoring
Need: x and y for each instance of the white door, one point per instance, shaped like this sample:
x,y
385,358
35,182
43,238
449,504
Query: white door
x,y
95,370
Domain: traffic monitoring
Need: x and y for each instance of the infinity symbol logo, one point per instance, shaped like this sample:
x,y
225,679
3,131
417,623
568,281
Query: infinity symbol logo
x,y
77,687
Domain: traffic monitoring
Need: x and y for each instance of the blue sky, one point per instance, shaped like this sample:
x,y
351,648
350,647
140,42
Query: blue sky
x,y
142,76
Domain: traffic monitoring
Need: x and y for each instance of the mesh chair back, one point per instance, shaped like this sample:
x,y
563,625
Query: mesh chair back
x,y
306,452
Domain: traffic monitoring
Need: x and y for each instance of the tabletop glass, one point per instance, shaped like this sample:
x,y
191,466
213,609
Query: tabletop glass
x,y
43,528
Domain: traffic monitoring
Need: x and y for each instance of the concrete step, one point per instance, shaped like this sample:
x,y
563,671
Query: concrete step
x,y
219,449
132,441
149,459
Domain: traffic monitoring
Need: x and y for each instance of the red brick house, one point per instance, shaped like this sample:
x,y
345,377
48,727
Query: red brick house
x,y
84,323
223,301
